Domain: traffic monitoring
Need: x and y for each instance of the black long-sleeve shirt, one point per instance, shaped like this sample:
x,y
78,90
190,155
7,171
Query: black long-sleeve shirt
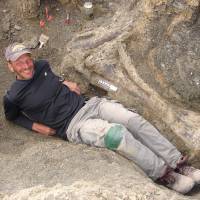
x,y
43,99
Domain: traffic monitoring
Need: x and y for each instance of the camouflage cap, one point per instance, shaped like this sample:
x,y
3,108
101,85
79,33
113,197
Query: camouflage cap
x,y
15,50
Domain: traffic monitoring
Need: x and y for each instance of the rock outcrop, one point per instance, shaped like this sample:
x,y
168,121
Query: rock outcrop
x,y
150,51
56,170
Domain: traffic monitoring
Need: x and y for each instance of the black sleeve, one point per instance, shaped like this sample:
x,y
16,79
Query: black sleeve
x,y
13,113
11,110
22,120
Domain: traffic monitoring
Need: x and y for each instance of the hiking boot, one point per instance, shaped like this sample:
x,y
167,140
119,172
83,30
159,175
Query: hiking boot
x,y
182,160
178,182
190,172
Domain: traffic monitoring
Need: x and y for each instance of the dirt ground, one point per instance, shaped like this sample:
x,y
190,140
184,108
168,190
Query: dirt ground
x,y
15,140
29,30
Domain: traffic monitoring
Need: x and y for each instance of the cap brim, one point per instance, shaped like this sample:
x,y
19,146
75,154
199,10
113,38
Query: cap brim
x,y
15,56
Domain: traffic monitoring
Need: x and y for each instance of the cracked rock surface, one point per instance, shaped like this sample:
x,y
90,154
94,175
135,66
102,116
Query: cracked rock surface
x,y
148,50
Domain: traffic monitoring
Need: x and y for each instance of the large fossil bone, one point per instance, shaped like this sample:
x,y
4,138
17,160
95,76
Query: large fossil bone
x,y
112,51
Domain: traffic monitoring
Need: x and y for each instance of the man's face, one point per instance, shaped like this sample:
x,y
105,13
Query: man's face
x,y
23,67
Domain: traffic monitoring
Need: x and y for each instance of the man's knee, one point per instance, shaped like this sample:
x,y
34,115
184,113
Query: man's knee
x,y
114,136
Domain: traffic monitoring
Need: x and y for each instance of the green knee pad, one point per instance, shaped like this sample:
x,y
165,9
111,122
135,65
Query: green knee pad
x,y
113,137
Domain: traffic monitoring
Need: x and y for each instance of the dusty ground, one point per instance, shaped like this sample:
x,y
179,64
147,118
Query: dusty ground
x,y
15,141
17,145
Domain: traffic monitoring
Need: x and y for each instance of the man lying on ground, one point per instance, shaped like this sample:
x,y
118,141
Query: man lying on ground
x,y
38,100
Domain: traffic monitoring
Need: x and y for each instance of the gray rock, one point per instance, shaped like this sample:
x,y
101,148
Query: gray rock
x,y
1,33
28,9
150,51
6,24
54,169
32,43
17,27
64,1
153,55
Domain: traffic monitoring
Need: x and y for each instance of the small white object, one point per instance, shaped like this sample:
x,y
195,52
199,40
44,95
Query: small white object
x,y
106,85
43,40
17,27
88,4
41,45
45,73
162,65
88,8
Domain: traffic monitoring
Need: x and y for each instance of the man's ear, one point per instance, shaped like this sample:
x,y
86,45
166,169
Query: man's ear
x,y
10,67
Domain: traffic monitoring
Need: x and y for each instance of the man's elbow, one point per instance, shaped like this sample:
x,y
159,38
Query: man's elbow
x,y
10,117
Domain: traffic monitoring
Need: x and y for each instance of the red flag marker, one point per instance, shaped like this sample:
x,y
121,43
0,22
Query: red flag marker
x,y
42,23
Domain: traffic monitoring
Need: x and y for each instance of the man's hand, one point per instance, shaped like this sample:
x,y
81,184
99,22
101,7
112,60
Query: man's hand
x,y
72,86
43,129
